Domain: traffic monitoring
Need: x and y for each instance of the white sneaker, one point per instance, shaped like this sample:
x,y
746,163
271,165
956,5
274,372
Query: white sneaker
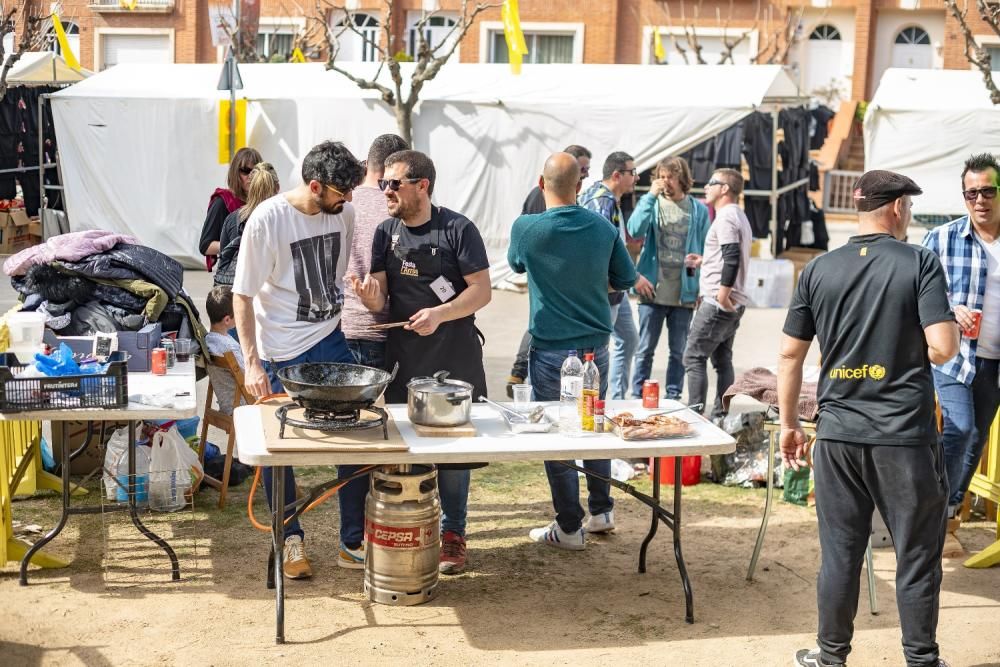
x,y
601,523
554,536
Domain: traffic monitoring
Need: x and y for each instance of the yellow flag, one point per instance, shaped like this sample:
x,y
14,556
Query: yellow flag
x,y
67,53
658,51
241,129
516,46
298,56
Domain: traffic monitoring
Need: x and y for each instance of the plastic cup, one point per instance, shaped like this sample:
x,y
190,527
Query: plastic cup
x,y
184,348
522,396
973,333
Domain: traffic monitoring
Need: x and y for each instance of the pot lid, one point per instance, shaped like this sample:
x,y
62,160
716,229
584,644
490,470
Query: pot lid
x,y
439,384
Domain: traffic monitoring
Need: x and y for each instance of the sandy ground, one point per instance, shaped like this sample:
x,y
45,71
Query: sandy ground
x,y
519,603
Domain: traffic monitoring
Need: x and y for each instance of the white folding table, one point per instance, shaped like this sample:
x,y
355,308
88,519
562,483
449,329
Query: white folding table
x,y
492,443
179,383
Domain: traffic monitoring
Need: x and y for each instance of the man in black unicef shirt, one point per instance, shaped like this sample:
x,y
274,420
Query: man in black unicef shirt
x,y
879,307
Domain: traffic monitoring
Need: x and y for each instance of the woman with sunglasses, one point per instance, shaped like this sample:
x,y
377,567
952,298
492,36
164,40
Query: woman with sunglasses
x,y
262,184
226,200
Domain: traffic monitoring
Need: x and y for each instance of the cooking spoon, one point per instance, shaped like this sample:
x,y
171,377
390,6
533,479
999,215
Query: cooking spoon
x,y
532,417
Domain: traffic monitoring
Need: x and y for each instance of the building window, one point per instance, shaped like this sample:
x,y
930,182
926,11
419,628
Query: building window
x,y
713,43
825,32
437,29
994,52
913,35
274,40
543,47
358,47
72,38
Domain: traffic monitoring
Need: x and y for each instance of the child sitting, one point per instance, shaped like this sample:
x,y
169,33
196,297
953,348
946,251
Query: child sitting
x,y
219,306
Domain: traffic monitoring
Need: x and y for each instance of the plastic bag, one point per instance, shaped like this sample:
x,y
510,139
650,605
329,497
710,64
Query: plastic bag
x,y
61,362
116,447
171,465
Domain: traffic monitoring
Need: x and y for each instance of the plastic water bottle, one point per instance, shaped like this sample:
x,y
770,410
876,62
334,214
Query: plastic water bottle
x,y
591,389
570,391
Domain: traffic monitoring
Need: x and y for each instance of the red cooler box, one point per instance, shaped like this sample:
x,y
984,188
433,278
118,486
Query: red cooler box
x,y
690,470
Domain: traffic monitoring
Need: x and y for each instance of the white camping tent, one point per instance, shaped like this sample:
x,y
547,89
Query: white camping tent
x,y
925,123
43,68
139,144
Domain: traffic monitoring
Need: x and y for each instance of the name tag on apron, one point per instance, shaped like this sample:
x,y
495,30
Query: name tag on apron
x,y
443,288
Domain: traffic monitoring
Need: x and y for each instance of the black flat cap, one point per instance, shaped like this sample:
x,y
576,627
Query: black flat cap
x,y
878,187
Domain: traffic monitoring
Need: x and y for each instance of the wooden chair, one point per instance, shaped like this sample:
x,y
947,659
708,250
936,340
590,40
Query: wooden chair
x,y
221,420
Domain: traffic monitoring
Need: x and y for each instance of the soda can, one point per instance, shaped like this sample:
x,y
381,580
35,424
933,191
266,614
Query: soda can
x,y
159,361
168,345
650,394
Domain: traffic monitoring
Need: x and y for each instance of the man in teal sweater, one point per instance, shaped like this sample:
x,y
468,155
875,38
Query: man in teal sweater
x,y
675,225
572,257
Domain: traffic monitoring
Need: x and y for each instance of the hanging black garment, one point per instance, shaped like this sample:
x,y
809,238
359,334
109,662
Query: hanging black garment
x,y
455,346
757,151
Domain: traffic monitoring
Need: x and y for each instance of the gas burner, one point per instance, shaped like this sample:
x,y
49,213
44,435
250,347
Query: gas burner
x,y
334,421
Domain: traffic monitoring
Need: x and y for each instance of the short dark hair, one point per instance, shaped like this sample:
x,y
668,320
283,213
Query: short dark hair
x,y
418,165
615,162
331,163
733,179
677,166
384,146
979,163
219,303
577,151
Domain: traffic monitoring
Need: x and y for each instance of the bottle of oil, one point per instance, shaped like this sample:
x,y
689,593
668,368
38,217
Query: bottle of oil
x,y
591,389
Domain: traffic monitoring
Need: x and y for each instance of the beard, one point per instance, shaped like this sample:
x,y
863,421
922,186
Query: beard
x,y
330,210
401,210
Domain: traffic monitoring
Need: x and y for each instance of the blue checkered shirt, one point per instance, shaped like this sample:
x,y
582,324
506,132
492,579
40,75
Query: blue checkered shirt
x,y
964,261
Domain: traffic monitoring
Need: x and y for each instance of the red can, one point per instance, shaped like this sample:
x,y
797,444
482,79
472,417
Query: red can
x,y
159,361
650,394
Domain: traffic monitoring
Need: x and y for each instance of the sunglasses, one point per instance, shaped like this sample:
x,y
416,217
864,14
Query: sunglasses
x,y
987,193
715,182
395,183
336,191
246,171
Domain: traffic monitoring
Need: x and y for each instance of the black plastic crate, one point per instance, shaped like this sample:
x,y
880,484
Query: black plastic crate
x,y
67,392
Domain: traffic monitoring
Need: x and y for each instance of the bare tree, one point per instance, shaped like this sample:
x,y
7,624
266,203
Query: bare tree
x,y
781,35
428,58
690,32
31,37
975,53
728,46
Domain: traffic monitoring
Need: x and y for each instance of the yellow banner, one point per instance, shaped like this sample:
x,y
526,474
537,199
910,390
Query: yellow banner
x,y
67,53
241,129
658,51
516,46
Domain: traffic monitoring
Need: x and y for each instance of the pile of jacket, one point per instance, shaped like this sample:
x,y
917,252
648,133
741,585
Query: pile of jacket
x,y
97,280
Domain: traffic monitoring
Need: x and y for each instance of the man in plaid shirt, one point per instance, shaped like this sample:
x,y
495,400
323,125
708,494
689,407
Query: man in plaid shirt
x,y
967,386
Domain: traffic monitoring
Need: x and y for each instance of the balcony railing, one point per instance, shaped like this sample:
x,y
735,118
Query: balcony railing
x,y
159,6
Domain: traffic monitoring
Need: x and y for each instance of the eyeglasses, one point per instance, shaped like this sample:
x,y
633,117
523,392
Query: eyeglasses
x,y
987,193
631,172
395,183
715,182
336,191
585,171
246,171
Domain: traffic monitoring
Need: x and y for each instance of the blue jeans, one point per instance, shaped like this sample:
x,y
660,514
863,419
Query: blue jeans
x,y
453,488
334,349
544,367
624,340
968,412
652,317
368,352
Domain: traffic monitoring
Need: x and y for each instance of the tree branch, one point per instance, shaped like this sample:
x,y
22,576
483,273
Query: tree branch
x,y
974,53
30,39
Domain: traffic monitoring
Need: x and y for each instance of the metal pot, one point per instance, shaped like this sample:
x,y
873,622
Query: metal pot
x,y
438,401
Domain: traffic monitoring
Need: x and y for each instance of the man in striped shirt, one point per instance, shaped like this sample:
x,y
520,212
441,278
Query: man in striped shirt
x,y
967,385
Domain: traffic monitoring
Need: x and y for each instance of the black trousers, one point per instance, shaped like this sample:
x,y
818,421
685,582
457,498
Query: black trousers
x,y
907,484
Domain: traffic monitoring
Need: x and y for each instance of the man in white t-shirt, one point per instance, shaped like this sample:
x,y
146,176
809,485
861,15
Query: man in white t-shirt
x,y
724,268
290,283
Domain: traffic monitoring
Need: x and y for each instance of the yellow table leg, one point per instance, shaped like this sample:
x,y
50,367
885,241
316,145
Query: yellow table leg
x,y
988,557
16,550
46,480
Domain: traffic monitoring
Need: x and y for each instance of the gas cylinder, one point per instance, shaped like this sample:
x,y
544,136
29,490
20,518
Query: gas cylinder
x,y
403,535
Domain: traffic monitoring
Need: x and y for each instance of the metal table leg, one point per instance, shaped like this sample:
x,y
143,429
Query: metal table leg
x,y
59,429
685,581
133,512
277,548
656,519
767,505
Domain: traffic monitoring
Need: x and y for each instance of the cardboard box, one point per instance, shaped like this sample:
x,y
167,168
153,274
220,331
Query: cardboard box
x,y
35,228
800,257
15,231
139,344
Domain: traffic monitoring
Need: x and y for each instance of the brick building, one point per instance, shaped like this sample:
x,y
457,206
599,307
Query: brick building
x,y
839,48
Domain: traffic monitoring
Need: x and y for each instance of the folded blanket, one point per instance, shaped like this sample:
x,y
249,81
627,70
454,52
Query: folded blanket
x,y
762,385
69,247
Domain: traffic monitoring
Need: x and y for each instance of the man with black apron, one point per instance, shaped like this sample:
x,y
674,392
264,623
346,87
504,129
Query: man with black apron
x,y
431,265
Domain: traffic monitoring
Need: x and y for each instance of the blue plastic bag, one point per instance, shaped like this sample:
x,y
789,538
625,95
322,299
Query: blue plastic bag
x,y
61,362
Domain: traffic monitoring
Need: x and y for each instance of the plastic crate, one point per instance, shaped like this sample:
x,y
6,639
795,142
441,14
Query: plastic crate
x,y
67,392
